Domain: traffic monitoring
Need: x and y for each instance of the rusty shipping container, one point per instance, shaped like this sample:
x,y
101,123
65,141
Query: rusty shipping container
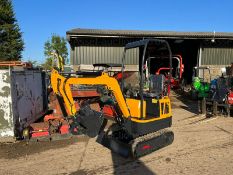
x,y
23,100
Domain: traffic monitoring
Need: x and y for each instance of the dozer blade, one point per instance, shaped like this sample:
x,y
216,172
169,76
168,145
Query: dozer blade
x,y
140,146
114,144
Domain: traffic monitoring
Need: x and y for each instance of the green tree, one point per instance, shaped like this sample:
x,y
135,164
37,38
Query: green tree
x,y
55,44
11,43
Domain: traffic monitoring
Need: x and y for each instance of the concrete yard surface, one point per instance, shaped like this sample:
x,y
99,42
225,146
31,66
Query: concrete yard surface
x,y
201,146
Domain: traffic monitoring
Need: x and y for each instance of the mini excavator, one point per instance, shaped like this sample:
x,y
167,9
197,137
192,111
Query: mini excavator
x,y
132,113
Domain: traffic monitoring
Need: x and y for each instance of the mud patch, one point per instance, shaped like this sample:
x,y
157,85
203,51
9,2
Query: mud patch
x,y
6,77
5,91
23,148
168,159
80,172
3,122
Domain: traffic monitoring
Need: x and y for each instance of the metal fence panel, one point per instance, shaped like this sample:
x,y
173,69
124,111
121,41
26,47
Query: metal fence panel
x,y
23,99
28,96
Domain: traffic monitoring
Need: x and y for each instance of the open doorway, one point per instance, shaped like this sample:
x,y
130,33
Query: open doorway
x,y
188,49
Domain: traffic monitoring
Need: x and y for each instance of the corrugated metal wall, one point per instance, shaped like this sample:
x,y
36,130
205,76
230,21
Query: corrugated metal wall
x,y
102,54
219,52
217,56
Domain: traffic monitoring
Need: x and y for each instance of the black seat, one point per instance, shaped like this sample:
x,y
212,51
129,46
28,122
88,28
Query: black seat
x,y
222,90
96,73
156,86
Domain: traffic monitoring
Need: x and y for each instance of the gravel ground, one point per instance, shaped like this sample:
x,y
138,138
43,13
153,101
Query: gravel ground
x,y
201,146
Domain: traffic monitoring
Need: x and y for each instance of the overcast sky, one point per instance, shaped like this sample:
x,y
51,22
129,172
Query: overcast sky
x,y
38,19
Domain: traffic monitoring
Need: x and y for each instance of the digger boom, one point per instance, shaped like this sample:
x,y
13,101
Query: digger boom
x,y
61,85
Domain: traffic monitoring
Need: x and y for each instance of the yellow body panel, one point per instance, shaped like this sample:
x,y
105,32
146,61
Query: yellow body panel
x,y
148,120
164,108
135,107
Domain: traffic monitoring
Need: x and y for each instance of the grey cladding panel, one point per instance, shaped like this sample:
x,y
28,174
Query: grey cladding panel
x,y
102,54
217,56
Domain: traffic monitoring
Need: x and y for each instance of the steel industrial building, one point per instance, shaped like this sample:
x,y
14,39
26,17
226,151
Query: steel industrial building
x,y
89,46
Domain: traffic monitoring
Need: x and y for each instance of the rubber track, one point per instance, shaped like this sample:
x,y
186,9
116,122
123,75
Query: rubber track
x,y
136,142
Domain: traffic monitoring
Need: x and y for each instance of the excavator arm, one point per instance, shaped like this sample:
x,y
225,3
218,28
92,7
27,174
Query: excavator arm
x,y
61,85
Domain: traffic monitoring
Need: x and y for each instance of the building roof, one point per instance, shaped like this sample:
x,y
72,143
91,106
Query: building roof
x,y
79,32
144,42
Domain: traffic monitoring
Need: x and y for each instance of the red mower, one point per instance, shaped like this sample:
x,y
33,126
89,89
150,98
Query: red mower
x,y
177,71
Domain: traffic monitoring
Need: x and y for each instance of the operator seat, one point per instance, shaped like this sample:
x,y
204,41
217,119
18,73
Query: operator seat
x,y
156,86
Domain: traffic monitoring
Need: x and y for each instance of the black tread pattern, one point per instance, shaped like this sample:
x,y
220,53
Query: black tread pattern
x,y
159,139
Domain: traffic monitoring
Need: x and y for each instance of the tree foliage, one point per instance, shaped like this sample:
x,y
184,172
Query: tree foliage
x,y
55,44
11,43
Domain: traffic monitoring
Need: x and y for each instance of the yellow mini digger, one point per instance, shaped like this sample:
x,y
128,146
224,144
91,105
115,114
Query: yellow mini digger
x,y
129,114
